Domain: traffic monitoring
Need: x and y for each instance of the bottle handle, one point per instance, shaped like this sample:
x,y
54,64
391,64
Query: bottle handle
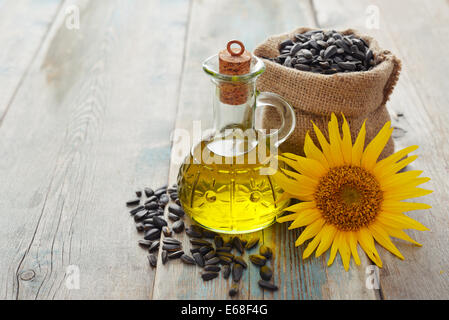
x,y
288,117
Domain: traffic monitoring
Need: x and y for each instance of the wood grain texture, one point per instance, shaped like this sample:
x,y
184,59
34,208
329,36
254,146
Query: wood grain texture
x,y
89,125
419,112
212,24
24,25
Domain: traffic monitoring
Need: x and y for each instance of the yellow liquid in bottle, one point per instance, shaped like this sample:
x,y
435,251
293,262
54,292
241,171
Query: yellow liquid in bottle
x,y
228,198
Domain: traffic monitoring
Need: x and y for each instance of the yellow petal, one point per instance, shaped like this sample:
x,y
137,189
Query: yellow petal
x,y
406,193
305,218
284,196
344,250
346,144
357,149
305,183
335,141
394,187
310,231
312,152
311,246
397,233
289,217
352,240
389,161
324,145
384,240
376,146
399,206
298,207
400,221
308,167
291,186
334,248
399,178
327,237
390,170
366,241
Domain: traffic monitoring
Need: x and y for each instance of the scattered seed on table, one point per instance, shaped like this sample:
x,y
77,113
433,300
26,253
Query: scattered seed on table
x,y
225,254
218,240
172,190
234,290
209,275
252,243
132,203
178,226
226,271
225,260
208,234
166,230
164,256
258,259
160,192
238,244
145,243
200,242
187,259
152,259
266,273
138,193
268,285
151,206
152,234
164,200
237,271
209,255
169,240
193,233
173,217
151,199
139,216
159,222
139,226
266,251
154,213
135,210
176,255
223,249
175,209
205,250
148,226
241,261
195,250
149,192
174,196
213,260
154,246
178,202
213,268
198,259
171,247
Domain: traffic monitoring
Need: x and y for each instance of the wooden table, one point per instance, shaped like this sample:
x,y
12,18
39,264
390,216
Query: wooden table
x,y
86,116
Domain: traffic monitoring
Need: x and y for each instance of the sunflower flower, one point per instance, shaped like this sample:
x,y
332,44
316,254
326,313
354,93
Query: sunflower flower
x,y
348,197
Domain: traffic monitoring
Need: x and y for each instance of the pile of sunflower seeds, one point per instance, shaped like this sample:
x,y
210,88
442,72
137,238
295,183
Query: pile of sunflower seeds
x,y
209,251
326,52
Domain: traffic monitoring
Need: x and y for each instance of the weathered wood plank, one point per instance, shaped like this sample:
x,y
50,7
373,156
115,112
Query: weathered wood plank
x,y
23,25
85,129
419,111
212,24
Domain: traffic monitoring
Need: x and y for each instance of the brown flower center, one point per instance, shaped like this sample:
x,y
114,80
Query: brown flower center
x,y
349,197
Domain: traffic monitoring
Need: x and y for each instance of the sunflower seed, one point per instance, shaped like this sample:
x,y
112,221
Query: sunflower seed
x,y
193,232
252,243
164,256
136,210
213,268
330,51
258,260
208,234
194,250
205,250
154,246
347,66
209,255
139,226
285,43
209,275
171,247
149,192
266,273
198,259
237,272
141,215
173,217
266,251
234,290
211,261
132,203
152,234
200,242
241,261
152,259
169,240
226,271
175,209
178,226
138,193
152,206
223,249
187,259
160,191
226,254
159,222
176,255
238,244
145,243
167,232
218,240
151,199
225,260
267,285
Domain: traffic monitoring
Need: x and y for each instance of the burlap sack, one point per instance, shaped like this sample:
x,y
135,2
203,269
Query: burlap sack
x,y
358,95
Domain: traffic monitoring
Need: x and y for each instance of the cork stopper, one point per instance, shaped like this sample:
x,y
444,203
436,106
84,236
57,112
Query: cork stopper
x,y
234,63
